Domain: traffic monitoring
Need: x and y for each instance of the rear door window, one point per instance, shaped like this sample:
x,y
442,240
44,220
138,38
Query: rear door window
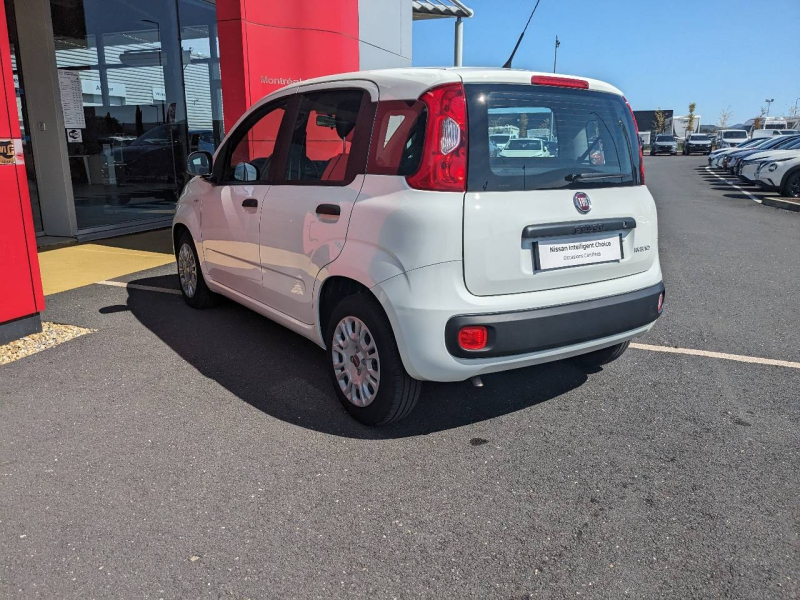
x,y
558,138
324,133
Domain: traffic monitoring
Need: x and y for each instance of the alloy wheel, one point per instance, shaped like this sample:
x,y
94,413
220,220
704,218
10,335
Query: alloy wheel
x,y
794,186
356,364
187,270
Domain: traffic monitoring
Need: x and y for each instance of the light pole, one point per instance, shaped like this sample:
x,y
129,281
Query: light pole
x,y
555,54
769,104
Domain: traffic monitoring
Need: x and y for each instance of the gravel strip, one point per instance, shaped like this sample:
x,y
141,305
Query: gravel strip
x,y
52,335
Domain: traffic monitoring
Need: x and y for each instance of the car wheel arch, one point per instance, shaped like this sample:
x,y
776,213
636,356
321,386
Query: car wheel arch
x,y
332,290
177,231
787,175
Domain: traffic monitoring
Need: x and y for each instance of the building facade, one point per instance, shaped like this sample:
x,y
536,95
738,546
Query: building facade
x,y
104,99
113,94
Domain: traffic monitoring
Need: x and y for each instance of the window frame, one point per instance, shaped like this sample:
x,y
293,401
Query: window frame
x,y
222,166
359,148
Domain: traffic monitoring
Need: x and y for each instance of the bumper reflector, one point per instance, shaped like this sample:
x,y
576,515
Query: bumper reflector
x,y
473,337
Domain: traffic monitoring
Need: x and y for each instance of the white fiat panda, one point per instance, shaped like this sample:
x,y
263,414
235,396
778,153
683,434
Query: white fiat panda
x,y
368,213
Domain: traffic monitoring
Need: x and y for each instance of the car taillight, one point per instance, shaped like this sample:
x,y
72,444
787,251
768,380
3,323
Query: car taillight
x,y
641,149
567,82
444,156
474,337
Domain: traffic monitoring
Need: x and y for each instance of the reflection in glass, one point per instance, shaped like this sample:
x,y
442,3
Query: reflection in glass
x,y
141,121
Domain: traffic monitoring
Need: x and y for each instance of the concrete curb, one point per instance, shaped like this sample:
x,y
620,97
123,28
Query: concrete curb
x,y
783,203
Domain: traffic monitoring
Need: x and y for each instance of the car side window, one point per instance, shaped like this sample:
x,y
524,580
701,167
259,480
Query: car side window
x,y
252,148
322,138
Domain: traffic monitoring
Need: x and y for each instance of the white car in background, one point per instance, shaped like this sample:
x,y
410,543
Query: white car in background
x,y
364,211
782,175
730,138
524,148
715,158
746,170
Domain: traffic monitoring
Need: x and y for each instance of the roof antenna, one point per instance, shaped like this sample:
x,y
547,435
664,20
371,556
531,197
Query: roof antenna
x,y
521,35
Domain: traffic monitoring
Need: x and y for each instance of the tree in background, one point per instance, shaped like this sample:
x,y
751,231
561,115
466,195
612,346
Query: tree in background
x,y
725,117
794,111
759,120
690,119
660,121
523,125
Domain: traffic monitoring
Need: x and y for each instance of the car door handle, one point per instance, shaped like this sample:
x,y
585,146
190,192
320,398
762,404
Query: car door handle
x,y
250,203
331,210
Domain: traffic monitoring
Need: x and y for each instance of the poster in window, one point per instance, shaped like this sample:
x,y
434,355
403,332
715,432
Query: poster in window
x,y
69,84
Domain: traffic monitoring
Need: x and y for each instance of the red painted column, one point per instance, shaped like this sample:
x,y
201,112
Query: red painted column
x,y
21,298
267,45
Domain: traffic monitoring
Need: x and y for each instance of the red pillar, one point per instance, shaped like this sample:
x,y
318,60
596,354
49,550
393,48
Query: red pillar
x,y
266,45
21,298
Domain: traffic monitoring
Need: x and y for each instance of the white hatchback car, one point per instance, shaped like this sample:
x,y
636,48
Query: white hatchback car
x,y
365,212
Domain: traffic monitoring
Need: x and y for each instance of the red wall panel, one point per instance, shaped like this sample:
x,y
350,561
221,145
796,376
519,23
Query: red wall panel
x,y
266,45
20,282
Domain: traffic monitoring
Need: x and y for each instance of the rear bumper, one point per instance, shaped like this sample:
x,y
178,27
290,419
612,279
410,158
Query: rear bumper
x,y
540,329
422,304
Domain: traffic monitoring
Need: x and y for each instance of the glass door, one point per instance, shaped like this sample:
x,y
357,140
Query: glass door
x,y
121,64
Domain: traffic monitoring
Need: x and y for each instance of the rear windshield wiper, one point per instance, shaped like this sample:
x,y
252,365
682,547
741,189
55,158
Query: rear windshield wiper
x,y
593,176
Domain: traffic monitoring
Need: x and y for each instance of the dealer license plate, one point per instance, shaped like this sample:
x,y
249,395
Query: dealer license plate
x,y
574,251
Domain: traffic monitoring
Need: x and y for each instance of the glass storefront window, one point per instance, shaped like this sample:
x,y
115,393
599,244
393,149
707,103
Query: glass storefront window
x,y
201,74
148,99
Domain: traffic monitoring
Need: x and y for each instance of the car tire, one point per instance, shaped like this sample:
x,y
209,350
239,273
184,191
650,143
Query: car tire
x,y
190,275
598,358
791,186
359,336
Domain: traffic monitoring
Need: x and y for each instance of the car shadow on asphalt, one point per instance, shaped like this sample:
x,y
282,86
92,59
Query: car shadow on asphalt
x,y
284,375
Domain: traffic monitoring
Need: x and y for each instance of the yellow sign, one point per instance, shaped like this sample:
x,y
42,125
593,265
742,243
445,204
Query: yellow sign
x,y
7,153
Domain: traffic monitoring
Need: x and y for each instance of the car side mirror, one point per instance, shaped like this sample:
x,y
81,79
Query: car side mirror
x,y
199,163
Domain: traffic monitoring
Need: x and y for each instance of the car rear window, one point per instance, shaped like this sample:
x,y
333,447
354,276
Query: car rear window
x,y
734,135
557,133
665,138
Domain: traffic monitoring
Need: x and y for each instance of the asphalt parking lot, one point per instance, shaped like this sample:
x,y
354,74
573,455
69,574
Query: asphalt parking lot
x,y
185,454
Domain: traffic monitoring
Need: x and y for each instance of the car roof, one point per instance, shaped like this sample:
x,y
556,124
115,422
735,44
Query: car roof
x,y
411,83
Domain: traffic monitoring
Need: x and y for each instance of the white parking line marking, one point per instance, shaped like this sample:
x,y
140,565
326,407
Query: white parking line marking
x,y
733,185
136,286
722,355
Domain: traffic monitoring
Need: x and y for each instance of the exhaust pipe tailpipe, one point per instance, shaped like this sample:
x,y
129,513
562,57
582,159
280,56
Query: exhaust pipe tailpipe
x,y
477,381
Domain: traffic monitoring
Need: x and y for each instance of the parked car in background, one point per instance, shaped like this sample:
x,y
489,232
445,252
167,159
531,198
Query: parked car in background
x,y
768,133
716,156
697,142
765,144
524,147
735,159
365,212
664,144
782,175
500,139
746,168
730,138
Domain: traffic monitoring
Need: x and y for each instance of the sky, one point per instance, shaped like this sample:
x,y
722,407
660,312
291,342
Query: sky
x,y
719,54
